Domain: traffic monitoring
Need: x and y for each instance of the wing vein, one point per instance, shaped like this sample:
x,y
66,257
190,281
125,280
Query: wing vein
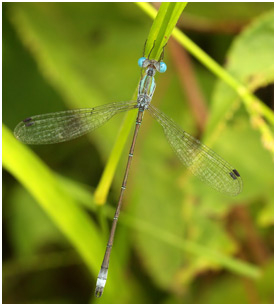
x,y
67,125
200,160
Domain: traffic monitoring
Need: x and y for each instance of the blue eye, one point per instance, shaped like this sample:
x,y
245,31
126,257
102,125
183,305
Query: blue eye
x,y
162,67
141,61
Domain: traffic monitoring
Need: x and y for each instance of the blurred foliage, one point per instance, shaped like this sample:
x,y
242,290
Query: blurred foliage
x,y
176,237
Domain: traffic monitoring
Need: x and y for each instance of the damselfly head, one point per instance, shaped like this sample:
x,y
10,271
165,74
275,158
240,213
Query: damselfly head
x,y
153,64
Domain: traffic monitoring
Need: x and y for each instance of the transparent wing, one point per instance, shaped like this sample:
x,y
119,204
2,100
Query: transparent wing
x,y
67,125
198,158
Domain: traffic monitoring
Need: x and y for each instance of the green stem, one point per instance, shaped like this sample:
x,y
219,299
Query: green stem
x,y
247,97
160,32
113,160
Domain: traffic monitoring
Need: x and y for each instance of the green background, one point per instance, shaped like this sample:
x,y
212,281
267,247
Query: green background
x,y
178,241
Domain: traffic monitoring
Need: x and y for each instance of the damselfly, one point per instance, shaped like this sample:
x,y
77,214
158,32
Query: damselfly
x,y
198,158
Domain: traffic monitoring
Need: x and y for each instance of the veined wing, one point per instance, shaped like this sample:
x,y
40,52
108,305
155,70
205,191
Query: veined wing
x,y
204,163
67,125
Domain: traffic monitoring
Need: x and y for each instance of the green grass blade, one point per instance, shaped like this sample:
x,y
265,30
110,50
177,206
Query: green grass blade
x,y
113,160
163,25
31,172
246,96
160,32
62,208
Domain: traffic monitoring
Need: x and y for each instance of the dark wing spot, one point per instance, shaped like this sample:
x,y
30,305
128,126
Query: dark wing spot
x,y
236,172
233,175
27,119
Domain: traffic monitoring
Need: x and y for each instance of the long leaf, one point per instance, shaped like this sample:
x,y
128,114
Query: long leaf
x,y
160,32
72,221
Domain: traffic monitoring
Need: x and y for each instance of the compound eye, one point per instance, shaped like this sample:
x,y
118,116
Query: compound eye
x,y
162,67
141,61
